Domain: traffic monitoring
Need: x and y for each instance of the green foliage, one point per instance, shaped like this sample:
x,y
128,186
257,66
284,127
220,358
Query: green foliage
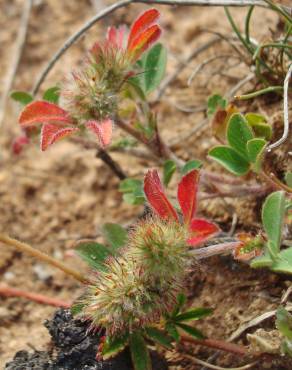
x,y
52,94
238,134
177,319
169,168
191,165
113,346
215,101
273,213
139,352
284,325
288,179
158,336
93,253
230,159
115,235
132,190
152,66
245,150
273,216
21,97
259,125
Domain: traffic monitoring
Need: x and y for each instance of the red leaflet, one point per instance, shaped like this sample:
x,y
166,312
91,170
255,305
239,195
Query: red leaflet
x,y
201,230
156,197
42,112
145,20
103,130
143,41
187,195
52,133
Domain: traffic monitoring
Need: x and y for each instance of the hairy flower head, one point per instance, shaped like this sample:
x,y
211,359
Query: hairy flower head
x,y
160,248
123,299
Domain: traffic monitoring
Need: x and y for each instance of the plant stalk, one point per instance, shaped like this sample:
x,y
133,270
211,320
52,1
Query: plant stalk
x,y
26,248
7,291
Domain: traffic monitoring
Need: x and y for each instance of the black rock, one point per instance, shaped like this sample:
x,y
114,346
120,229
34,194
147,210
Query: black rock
x,y
75,349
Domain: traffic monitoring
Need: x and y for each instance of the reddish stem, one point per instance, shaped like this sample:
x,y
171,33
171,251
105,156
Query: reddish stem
x,y
217,344
7,291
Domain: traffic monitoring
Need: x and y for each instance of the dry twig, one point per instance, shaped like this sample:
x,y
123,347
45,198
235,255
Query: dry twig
x,y
15,57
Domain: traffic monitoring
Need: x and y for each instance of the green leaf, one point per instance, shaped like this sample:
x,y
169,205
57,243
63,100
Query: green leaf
x,y
255,149
230,159
259,125
238,134
191,330
262,261
153,66
195,314
281,266
93,253
272,216
52,94
191,165
288,179
284,322
181,300
22,97
159,336
77,308
130,185
113,346
172,331
133,191
133,199
215,101
115,234
139,352
169,168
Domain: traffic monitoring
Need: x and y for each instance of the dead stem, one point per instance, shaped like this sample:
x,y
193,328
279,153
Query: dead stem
x,y
215,367
7,291
213,250
26,248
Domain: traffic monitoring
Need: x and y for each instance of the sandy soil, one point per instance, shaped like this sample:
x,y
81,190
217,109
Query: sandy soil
x,y
51,200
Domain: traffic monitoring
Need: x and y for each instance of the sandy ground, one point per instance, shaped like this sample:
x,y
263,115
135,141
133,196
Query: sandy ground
x,y
53,199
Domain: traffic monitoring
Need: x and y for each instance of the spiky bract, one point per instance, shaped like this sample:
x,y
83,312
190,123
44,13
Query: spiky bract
x,y
159,247
135,290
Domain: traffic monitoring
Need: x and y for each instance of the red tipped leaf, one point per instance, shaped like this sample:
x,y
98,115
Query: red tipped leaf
x,y
52,133
144,21
144,41
200,231
103,130
187,195
156,197
42,112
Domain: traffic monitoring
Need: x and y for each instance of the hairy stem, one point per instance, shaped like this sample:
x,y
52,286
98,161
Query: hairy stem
x,y
26,248
7,291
